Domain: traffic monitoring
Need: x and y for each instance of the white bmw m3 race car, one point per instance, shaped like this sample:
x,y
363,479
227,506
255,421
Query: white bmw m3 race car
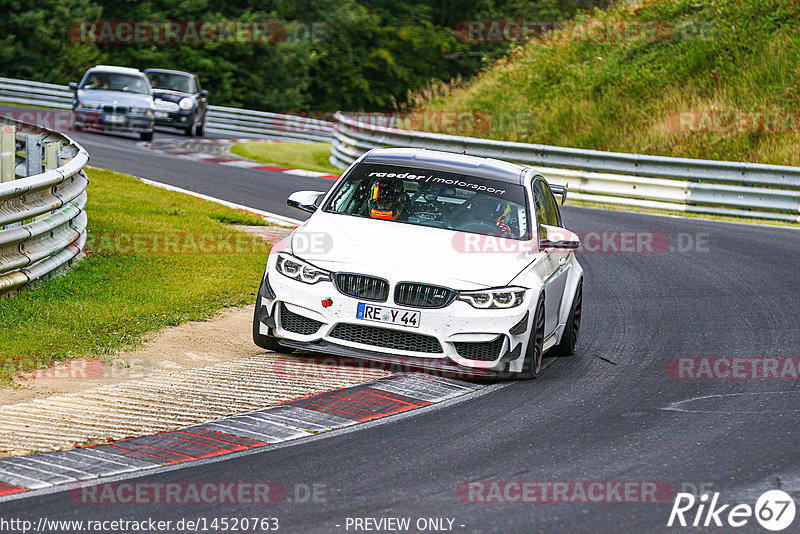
x,y
442,261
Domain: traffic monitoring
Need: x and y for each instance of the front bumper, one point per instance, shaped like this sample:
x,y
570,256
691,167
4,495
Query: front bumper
x,y
97,120
175,119
456,337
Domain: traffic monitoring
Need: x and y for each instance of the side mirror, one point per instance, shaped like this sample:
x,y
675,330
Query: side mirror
x,y
560,190
305,200
203,93
73,86
553,237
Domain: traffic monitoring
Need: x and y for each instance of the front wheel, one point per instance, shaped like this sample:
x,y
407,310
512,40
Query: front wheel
x,y
569,339
146,136
532,365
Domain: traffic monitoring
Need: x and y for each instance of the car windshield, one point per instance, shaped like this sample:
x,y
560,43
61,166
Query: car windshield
x,y
435,198
171,82
111,81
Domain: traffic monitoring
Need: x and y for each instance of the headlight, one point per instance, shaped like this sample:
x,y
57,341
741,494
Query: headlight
x,y
141,111
87,105
300,270
506,297
186,104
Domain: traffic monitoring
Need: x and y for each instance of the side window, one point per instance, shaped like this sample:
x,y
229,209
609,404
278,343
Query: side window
x,y
540,201
553,213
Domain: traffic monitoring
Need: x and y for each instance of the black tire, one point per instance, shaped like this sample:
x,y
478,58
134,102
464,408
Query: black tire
x,y
201,128
532,365
569,339
265,341
146,136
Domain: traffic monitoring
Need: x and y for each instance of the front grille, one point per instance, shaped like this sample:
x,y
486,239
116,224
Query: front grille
x,y
485,352
120,110
293,322
384,338
362,286
423,295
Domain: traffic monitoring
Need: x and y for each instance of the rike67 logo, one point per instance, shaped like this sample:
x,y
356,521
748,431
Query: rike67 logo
x,y
774,510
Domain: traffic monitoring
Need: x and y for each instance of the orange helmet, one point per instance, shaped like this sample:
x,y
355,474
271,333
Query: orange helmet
x,y
386,199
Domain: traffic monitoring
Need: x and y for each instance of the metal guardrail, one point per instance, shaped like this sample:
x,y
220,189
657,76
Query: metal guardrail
x,y
233,121
42,201
625,180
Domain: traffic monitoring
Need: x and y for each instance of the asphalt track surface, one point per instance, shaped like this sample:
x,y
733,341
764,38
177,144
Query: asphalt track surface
x,y
612,412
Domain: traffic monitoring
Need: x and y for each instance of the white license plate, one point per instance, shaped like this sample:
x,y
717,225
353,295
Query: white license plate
x,y
383,314
114,119
162,115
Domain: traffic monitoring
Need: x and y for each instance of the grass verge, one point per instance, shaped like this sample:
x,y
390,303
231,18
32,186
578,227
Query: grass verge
x,y
710,80
155,258
308,156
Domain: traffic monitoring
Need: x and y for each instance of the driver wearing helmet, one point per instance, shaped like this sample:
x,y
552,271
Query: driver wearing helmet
x,y
488,211
387,200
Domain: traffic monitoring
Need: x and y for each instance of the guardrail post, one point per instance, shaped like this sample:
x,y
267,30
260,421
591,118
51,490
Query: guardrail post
x,y
7,146
52,160
33,154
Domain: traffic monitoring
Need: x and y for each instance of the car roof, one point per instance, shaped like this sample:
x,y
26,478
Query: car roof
x,y
115,69
447,162
169,71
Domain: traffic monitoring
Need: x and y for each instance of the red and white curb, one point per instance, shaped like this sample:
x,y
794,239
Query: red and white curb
x,y
183,149
284,422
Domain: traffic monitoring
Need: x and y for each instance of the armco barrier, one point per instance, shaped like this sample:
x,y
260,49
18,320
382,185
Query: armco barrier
x,y
625,180
617,179
233,121
42,201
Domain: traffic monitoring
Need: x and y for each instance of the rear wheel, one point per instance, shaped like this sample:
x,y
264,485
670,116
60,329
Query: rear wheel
x,y
533,354
569,339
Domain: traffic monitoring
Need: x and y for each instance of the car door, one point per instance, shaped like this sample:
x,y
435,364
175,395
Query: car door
x,y
202,101
555,263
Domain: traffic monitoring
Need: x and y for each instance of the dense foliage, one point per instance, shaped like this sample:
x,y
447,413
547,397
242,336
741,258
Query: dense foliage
x,y
364,55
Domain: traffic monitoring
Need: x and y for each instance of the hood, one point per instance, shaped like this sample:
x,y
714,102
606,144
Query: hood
x,y
108,98
404,252
170,96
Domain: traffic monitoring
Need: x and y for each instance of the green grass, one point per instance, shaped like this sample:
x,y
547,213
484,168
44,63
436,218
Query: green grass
x,y
122,290
308,156
626,94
